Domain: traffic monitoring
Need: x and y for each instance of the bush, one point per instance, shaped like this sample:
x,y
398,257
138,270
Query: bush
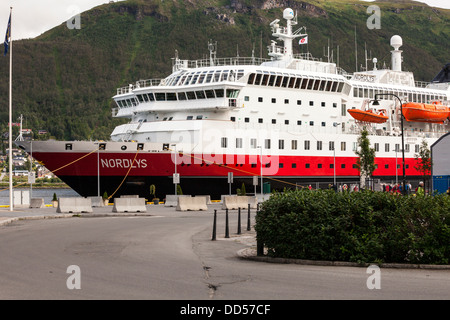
x,y
359,227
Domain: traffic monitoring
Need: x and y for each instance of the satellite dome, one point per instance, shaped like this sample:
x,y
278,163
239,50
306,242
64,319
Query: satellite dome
x,y
396,42
288,14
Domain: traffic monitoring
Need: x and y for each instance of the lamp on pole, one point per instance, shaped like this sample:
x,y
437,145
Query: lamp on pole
x,y
175,177
335,124
376,103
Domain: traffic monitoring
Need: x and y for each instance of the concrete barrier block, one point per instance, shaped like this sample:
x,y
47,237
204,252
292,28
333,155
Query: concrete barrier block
x,y
208,198
235,202
129,196
97,202
74,204
191,204
37,203
129,205
172,200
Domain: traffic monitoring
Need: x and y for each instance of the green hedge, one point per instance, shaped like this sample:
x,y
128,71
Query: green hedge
x,y
362,227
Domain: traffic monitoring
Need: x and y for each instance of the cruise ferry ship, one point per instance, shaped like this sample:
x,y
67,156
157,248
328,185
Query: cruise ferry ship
x,y
288,120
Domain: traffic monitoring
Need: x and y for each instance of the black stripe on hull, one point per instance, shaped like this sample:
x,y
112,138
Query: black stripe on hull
x,y
215,187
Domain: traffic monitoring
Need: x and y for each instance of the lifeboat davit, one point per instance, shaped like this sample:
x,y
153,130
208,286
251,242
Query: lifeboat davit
x,y
368,116
422,112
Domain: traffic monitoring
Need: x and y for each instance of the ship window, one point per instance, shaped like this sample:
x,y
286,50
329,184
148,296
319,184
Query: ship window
x,y
386,147
260,120
278,82
190,95
139,96
331,165
319,145
101,146
307,165
286,101
329,84
341,86
274,100
299,122
219,93
343,146
343,166
223,142
247,119
253,143
225,75
334,105
210,93
265,80
140,146
294,165
216,76
280,165
299,102
304,83
323,85
145,97
251,78
310,84
208,77
200,117
258,79
307,144
280,144
189,117
239,143
253,165
376,146
294,144
201,78
232,119
297,83
335,83
331,145
260,99
311,103
286,121
194,79
274,121
200,94
232,93
285,82
319,166
182,96
322,104
151,96
316,85
68,146
160,96
267,143
171,96
272,80
291,82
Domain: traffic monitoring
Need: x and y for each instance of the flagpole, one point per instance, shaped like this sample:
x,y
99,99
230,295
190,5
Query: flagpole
x,y
10,121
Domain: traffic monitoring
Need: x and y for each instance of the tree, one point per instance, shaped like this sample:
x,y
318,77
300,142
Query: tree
x,y
424,162
366,157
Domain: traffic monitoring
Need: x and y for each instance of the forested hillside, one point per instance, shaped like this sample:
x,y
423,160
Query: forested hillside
x,y
65,78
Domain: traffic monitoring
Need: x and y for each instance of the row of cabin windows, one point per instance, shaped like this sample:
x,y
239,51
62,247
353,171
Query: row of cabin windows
x,y
177,96
286,101
320,165
290,81
274,121
368,92
199,77
307,145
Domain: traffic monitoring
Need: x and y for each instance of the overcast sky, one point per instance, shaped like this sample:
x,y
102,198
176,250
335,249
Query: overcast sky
x,y
33,17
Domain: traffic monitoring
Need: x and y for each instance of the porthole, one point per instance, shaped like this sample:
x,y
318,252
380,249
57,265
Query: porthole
x,y
123,148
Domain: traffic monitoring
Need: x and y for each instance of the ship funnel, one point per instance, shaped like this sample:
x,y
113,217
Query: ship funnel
x,y
396,43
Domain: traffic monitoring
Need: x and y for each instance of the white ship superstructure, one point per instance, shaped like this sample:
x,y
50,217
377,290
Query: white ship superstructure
x,y
292,104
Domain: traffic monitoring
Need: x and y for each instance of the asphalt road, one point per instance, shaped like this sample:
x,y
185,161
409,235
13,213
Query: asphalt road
x,y
170,256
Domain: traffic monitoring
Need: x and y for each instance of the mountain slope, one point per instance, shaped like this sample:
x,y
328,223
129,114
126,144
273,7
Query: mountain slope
x,y
64,79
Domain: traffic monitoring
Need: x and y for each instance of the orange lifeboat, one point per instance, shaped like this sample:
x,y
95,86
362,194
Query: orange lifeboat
x,y
421,112
368,116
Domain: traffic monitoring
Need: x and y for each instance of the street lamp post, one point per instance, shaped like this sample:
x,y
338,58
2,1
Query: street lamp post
x,y
175,164
261,170
376,103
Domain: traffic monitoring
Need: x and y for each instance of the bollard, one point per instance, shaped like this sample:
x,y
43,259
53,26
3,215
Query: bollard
x,y
239,221
227,230
259,247
248,218
214,226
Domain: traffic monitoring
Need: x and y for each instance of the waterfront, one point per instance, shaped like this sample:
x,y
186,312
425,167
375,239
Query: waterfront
x,y
47,194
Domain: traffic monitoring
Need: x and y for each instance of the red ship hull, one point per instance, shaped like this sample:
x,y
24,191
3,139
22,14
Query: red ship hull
x,y
135,171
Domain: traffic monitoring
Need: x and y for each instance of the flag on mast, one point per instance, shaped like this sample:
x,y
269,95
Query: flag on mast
x,y
303,40
8,35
